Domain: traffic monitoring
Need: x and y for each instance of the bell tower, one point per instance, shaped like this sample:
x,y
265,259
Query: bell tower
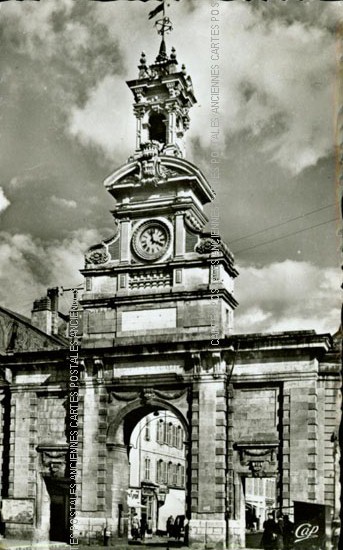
x,y
163,97
162,276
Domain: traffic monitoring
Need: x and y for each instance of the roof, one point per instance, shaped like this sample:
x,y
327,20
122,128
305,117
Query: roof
x,y
17,334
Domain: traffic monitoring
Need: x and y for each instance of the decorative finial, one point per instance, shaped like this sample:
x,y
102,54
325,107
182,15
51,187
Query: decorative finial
x,y
173,61
183,68
142,66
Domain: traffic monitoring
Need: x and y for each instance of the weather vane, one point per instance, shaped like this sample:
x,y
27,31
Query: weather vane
x,y
162,25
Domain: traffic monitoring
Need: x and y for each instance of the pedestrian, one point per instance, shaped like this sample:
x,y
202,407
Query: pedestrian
x,y
2,523
186,530
170,526
177,527
288,533
143,527
336,529
279,533
135,527
149,527
269,536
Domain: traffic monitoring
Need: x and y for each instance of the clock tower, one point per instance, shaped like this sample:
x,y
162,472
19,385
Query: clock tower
x,y
162,275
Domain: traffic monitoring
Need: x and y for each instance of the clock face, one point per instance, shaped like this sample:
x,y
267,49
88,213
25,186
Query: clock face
x,y
151,240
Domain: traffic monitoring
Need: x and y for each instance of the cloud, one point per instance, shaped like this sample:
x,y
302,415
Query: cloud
x,y
277,69
288,295
276,83
68,121
59,201
4,202
276,79
35,266
102,120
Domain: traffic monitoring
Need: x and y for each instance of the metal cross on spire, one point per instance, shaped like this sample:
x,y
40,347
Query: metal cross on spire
x,y
162,25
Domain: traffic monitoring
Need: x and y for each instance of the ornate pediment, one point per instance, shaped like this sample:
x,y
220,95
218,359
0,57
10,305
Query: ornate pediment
x,y
146,395
54,459
152,167
257,459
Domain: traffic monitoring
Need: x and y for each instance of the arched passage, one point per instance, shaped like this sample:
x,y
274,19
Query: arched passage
x,y
127,418
128,423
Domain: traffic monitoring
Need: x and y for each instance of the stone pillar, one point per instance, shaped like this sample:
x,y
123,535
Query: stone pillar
x,y
125,225
20,444
171,127
89,450
236,532
208,496
300,453
179,244
2,400
117,485
43,511
138,132
22,482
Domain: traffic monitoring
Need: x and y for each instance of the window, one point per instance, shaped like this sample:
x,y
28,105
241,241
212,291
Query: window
x,y
147,468
170,434
147,430
160,432
259,487
158,130
174,436
161,471
179,437
179,475
175,475
170,473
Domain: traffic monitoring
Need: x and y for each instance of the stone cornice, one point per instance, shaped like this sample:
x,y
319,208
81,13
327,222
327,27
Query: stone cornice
x,y
141,299
281,340
303,342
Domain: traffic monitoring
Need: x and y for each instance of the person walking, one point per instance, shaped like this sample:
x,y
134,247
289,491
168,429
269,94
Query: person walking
x,y
170,526
135,527
279,533
143,526
270,530
178,525
149,527
288,533
336,529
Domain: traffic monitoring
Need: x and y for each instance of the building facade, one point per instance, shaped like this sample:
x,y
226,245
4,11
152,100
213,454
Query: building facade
x,y
157,469
260,499
158,336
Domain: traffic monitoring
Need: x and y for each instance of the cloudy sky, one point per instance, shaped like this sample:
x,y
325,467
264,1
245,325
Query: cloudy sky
x,y
67,123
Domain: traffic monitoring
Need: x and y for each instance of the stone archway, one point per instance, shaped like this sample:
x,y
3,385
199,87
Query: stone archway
x,y
128,409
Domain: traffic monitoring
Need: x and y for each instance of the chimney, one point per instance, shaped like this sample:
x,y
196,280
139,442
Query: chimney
x,y
53,295
41,316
